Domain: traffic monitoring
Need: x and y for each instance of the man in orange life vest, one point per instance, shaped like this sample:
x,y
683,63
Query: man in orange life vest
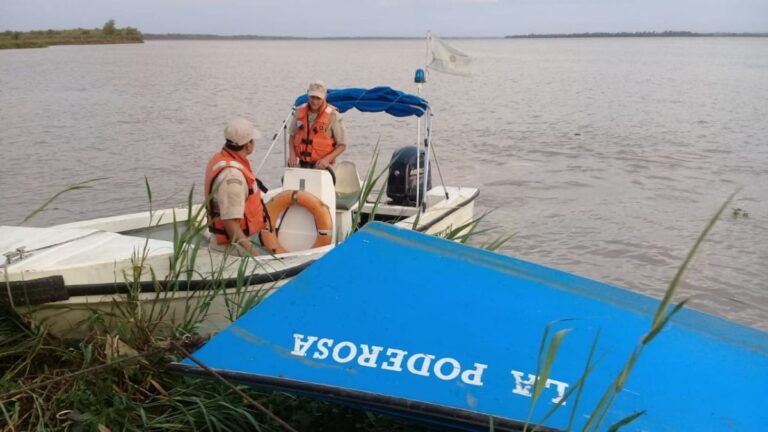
x,y
317,132
233,194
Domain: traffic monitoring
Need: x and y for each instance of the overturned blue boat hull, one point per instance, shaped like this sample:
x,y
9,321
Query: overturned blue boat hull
x,y
412,325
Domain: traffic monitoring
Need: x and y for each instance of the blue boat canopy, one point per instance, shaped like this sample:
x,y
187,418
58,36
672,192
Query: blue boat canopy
x,y
377,99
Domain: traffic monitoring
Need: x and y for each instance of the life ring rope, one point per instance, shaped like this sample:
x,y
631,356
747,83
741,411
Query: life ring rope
x,y
277,206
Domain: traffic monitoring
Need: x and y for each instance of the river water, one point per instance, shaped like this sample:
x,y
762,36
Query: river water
x,y
604,157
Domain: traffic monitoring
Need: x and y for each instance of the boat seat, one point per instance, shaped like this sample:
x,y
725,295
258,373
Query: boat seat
x,y
348,185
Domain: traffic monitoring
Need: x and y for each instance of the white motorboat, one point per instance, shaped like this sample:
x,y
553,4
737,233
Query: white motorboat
x,y
157,267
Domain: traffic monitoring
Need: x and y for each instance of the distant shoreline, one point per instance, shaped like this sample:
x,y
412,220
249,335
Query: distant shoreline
x,y
112,35
184,36
633,34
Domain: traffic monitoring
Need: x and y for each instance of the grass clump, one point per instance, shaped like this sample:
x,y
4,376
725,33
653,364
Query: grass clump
x,y
89,385
115,378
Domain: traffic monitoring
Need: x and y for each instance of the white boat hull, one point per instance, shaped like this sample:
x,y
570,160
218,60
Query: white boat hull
x,y
70,275
116,269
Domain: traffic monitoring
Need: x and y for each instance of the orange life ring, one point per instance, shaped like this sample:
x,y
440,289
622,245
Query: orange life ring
x,y
280,203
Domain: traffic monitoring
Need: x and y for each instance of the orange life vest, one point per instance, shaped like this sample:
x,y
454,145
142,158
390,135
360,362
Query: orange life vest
x,y
253,221
310,144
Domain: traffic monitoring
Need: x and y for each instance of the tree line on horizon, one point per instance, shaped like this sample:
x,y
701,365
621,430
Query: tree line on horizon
x,y
110,34
107,34
204,36
198,36
667,33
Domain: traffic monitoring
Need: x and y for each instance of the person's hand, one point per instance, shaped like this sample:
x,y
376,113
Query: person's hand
x,y
322,163
248,249
293,161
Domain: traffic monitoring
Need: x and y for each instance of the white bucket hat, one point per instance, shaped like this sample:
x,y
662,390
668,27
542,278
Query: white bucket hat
x,y
240,131
318,89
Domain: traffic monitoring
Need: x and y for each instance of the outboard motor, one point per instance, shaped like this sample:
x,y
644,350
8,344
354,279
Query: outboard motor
x,y
401,183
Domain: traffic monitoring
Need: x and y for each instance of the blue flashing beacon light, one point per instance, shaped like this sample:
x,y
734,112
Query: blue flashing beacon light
x,y
420,77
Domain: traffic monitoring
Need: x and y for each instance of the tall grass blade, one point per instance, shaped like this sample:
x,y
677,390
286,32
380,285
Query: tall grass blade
x,y
371,180
546,357
583,380
549,361
661,318
68,188
149,193
577,387
656,329
626,421
669,294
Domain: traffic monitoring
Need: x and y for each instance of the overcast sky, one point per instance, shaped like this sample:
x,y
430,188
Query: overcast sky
x,y
389,17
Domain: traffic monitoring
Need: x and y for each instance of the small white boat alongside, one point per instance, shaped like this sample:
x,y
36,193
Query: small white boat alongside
x,y
158,266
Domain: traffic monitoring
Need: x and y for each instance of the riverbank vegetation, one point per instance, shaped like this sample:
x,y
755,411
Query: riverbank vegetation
x,y
104,382
107,34
115,378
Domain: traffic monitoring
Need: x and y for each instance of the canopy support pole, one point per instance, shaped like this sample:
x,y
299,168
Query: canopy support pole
x,y
439,171
283,131
418,148
427,145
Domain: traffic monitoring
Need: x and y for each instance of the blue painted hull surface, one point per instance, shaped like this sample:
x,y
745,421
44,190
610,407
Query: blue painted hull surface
x,y
405,323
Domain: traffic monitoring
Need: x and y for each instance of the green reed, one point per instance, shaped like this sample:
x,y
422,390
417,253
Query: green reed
x,y
68,188
114,377
372,179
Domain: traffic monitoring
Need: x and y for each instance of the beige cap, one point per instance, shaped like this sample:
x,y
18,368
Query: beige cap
x,y
240,131
317,88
